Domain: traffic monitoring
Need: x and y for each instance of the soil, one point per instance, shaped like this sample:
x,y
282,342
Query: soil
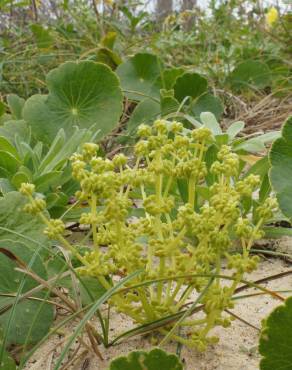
x,y
237,349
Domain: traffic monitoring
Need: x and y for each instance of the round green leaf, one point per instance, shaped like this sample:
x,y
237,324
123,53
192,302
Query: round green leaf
x,y
207,103
16,105
85,94
281,168
250,73
140,74
189,84
153,360
145,112
276,339
170,76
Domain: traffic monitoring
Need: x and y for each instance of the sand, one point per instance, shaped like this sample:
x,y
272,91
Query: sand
x,y
237,349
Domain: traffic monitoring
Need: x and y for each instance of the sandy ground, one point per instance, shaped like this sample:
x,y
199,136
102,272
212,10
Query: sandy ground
x,y
237,349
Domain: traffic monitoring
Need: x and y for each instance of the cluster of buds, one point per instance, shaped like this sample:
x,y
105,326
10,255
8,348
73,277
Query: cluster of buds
x,y
55,228
181,231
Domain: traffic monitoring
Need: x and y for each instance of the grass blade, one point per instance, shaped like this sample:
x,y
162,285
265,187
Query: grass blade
x,y
91,312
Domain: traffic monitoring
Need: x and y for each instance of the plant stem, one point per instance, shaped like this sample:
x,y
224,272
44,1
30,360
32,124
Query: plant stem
x,y
94,224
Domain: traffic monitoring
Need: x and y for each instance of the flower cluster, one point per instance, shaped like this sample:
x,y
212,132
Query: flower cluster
x,y
185,227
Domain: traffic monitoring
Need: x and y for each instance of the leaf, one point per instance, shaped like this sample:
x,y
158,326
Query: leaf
x,y
207,103
109,39
250,73
89,314
44,182
43,37
276,339
18,179
167,102
6,146
11,129
265,189
189,84
8,162
5,186
222,139
209,120
108,57
32,317
169,77
281,168
145,112
140,74
85,94
253,145
7,361
90,287
260,168
26,229
210,158
269,137
141,360
59,153
16,105
234,129
182,186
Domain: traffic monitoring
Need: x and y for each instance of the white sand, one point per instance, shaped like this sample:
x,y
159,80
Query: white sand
x,y
237,349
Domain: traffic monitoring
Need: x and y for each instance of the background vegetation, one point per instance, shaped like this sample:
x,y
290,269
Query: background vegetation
x,y
164,59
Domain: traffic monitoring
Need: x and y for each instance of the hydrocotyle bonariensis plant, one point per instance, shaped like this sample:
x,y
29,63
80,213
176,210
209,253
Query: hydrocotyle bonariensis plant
x,y
180,243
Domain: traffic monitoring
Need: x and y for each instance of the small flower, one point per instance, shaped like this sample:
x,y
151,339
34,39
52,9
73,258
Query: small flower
x,y
35,206
144,131
272,16
119,160
55,228
27,189
89,150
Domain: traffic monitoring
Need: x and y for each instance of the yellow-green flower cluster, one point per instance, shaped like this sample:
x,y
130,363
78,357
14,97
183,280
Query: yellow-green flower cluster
x,y
180,232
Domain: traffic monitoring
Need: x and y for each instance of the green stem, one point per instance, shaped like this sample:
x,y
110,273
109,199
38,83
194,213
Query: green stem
x,y
191,191
94,224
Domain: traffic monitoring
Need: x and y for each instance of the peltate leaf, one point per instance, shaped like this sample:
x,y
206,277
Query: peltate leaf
x,y
207,103
250,73
85,94
170,76
276,339
140,73
189,84
281,168
16,105
153,360
145,112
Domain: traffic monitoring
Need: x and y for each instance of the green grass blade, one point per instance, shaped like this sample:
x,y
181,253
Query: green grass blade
x,y
91,312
